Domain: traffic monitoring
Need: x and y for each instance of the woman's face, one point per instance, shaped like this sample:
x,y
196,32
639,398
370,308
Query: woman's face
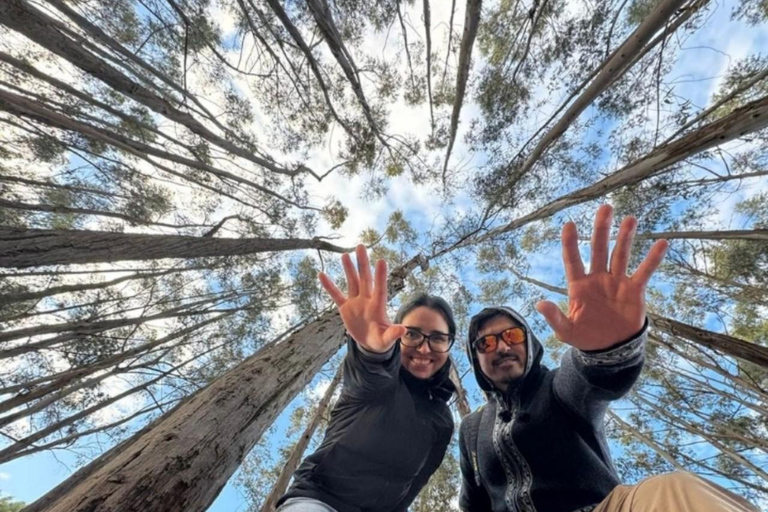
x,y
422,362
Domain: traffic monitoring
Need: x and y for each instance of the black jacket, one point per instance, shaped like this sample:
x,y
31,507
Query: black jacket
x,y
541,446
388,433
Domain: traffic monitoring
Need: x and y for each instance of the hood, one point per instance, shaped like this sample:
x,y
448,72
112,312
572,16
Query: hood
x,y
533,347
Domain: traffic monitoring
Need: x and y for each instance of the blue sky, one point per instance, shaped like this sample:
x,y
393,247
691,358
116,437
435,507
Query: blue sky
x,y
29,478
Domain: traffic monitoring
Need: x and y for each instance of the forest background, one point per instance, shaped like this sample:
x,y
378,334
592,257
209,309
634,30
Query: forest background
x,y
174,173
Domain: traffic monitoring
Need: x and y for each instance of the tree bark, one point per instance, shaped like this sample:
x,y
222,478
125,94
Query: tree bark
x,y
736,347
428,38
21,16
333,40
618,63
11,298
21,248
281,484
471,23
734,380
462,404
182,461
744,234
22,107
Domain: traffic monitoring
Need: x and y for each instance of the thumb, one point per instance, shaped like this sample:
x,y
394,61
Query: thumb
x,y
560,323
393,332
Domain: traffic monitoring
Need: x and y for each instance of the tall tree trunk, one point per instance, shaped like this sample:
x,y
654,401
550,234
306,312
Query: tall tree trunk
x,y
322,15
428,38
742,234
182,461
734,380
742,121
730,345
462,404
21,16
471,23
281,484
35,247
10,298
24,107
614,67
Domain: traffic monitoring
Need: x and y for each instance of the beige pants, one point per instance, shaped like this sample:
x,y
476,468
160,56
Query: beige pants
x,y
674,492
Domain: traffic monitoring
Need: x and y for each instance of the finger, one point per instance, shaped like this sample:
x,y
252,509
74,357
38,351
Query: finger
x,y
651,262
353,283
364,269
393,332
623,248
574,267
380,281
600,235
332,289
560,323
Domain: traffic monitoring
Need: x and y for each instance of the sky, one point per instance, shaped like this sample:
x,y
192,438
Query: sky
x,y
704,57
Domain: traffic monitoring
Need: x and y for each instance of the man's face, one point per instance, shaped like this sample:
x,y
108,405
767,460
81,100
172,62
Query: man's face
x,y
506,363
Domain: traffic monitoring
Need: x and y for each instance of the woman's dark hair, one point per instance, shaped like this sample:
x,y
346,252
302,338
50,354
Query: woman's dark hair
x,y
429,301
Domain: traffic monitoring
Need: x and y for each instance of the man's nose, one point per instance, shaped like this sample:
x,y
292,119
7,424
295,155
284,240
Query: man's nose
x,y
503,347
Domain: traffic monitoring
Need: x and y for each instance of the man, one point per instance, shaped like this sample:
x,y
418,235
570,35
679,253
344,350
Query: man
x,y
539,444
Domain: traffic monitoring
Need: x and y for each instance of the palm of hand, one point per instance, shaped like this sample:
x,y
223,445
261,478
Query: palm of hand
x,y
604,309
366,321
364,311
605,306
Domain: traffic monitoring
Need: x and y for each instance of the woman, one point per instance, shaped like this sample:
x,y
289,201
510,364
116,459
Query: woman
x,y
391,425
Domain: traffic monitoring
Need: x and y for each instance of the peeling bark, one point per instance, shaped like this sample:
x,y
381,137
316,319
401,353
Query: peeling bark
x,y
35,247
471,23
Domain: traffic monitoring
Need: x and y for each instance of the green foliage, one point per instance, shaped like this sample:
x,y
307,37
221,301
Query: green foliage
x,y
441,493
7,504
306,294
335,213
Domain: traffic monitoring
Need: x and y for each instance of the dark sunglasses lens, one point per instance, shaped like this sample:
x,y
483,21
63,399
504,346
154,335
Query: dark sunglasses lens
x,y
513,336
486,344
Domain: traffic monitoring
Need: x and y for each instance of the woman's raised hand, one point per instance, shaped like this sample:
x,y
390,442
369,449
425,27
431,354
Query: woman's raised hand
x,y
364,311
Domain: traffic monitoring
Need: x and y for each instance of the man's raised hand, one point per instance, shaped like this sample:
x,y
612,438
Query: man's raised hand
x,y
605,306
364,311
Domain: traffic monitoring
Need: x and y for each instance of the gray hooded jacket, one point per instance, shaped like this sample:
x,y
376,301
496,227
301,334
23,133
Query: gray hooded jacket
x,y
541,446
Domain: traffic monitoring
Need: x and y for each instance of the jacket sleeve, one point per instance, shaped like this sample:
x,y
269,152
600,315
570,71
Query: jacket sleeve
x,y
473,497
369,374
587,382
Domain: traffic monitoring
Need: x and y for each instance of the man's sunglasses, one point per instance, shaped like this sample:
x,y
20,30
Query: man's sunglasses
x,y
490,342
